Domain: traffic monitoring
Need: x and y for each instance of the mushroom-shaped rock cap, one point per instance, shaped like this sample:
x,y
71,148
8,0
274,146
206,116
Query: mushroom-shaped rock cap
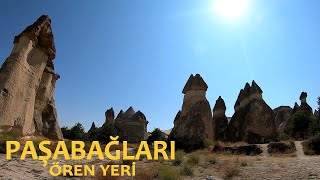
x,y
110,112
303,95
129,113
40,33
255,88
219,104
195,83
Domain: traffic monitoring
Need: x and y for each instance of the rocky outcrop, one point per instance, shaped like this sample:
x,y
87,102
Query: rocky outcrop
x,y
27,81
193,124
220,120
109,116
304,105
133,125
92,129
253,120
282,115
45,113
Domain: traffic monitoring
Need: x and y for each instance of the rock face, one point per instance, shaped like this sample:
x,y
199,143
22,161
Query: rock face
x,y
253,120
282,115
133,125
193,124
109,115
93,128
27,81
220,120
304,105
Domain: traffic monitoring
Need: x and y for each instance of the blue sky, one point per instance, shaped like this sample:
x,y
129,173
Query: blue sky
x,y
140,53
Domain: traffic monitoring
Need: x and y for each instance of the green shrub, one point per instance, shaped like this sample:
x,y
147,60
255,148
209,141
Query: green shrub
x,y
178,158
187,170
194,158
3,141
156,135
312,146
167,173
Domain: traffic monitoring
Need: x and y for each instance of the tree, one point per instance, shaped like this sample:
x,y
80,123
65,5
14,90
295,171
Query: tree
x,y
77,132
318,106
104,133
299,125
65,132
156,135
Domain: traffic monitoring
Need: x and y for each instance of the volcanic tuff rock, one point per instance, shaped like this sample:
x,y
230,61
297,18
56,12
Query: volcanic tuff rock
x,y
193,124
27,81
220,120
253,120
304,105
92,128
132,124
109,115
282,115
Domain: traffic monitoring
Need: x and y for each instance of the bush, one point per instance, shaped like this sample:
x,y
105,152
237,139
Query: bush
x,y
243,163
281,147
312,146
194,158
104,133
167,173
3,141
186,170
75,133
156,135
230,171
179,158
212,159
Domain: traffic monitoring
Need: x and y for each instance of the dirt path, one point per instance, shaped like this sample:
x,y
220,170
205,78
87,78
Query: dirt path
x,y
264,150
299,148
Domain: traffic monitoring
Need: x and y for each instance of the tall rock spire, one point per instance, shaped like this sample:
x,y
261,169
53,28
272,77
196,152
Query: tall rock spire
x,y
27,81
193,124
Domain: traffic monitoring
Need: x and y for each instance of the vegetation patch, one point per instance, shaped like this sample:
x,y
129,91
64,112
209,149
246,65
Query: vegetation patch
x,y
312,146
179,158
230,171
3,140
167,173
242,149
285,147
187,170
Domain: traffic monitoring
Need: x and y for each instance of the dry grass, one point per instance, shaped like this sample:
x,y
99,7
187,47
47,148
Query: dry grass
x,y
187,170
165,172
230,171
212,159
228,144
194,158
179,155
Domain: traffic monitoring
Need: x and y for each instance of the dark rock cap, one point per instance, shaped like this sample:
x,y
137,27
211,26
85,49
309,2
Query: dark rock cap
x,y
129,113
40,33
139,117
195,83
303,95
93,126
219,104
119,114
255,88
